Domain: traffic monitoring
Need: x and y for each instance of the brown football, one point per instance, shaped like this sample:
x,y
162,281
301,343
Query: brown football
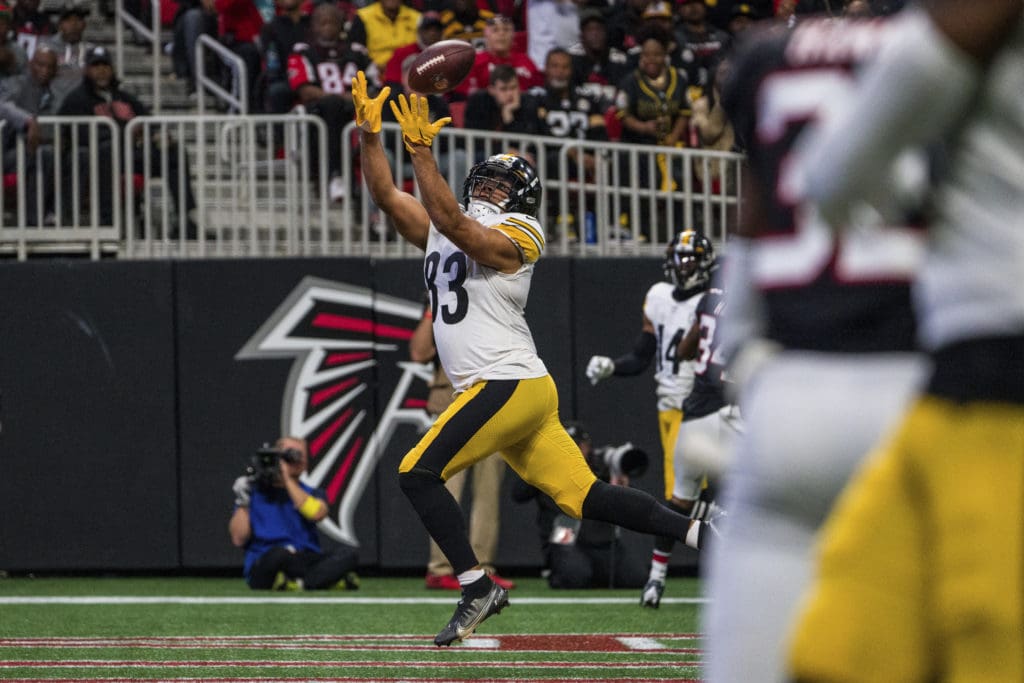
x,y
441,67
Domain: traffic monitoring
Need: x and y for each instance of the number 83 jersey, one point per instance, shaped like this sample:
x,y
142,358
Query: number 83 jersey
x,y
479,313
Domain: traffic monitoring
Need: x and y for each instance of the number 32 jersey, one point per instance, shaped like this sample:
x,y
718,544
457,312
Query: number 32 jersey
x,y
479,313
824,290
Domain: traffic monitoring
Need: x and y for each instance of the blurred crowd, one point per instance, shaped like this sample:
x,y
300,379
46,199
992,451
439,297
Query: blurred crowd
x,y
639,71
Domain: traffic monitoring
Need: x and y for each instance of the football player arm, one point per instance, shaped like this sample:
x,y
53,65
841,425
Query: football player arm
x,y
239,527
408,215
421,344
487,247
639,357
307,505
918,89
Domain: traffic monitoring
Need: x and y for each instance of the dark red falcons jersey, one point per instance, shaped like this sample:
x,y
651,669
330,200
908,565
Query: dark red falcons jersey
x,y
824,289
331,68
708,393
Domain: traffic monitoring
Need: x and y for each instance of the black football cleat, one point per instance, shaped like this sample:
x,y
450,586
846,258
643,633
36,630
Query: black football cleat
x,y
471,612
651,595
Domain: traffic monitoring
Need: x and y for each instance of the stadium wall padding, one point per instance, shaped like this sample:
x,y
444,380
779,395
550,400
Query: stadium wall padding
x,y
133,393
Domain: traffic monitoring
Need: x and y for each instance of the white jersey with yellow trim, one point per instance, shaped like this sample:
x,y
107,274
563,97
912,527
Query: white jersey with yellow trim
x,y
671,319
479,313
971,283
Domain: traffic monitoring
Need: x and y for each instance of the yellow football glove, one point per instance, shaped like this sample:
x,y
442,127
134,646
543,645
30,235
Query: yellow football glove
x,y
367,109
414,116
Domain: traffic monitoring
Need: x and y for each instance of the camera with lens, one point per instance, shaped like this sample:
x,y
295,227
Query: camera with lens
x,y
625,459
608,461
264,465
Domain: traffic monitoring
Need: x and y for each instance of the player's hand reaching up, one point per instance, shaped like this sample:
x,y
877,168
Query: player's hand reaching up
x,y
368,109
414,116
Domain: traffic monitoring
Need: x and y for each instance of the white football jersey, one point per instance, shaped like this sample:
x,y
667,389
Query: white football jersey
x,y
479,313
671,319
971,284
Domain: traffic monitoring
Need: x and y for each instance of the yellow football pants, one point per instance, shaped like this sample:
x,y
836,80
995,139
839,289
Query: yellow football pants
x,y
668,428
519,419
921,565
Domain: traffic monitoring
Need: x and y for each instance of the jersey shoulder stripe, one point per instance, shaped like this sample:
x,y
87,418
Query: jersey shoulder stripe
x,y
528,237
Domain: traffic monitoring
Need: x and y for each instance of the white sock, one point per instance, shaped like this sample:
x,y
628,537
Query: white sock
x,y
469,576
659,566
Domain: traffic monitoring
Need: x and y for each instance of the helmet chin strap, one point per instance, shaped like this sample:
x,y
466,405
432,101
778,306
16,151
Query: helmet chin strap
x,y
479,208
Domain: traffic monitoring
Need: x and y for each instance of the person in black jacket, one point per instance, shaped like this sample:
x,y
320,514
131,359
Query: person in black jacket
x,y
100,94
583,553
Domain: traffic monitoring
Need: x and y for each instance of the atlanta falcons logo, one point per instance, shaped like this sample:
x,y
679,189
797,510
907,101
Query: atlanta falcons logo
x,y
337,334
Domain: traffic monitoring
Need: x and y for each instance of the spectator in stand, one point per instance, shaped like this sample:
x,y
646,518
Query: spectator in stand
x,y
30,25
721,12
743,16
857,9
194,18
320,73
383,26
699,44
596,65
13,59
239,23
69,46
463,20
503,107
654,109
428,32
27,97
551,24
498,35
568,110
100,94
625,22
277,40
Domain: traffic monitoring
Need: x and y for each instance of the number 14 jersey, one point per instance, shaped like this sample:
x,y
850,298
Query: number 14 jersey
x,y
480,313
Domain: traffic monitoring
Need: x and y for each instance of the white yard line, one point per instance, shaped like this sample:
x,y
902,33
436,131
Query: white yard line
x,y
302,600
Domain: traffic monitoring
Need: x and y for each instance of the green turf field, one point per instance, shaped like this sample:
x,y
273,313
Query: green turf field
x,y
113,629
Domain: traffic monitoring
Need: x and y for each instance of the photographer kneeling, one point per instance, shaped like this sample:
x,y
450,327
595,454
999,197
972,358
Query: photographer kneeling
x,y
275,521
586,553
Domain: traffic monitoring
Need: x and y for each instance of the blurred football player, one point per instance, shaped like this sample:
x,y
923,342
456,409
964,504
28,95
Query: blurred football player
x,y
820,334
668,313
920,569
479,261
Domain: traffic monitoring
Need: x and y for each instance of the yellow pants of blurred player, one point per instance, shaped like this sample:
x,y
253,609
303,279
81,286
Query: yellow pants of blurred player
x,y
921,571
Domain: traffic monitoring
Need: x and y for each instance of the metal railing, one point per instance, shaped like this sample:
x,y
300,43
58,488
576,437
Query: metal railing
x,y
150,34
67,192
226,186
237,100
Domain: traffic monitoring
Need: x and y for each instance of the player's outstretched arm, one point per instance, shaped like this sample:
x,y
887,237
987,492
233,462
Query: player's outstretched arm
x,y
485,246
410,218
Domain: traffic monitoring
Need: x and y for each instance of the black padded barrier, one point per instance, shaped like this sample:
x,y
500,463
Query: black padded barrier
x,y
133,393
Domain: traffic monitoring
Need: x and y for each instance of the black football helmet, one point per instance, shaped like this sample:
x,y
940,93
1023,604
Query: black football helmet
x,y
511,174
690,261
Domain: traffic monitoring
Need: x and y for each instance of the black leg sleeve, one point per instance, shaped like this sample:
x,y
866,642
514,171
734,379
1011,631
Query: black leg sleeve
x,y
634,510
440,514
665,543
